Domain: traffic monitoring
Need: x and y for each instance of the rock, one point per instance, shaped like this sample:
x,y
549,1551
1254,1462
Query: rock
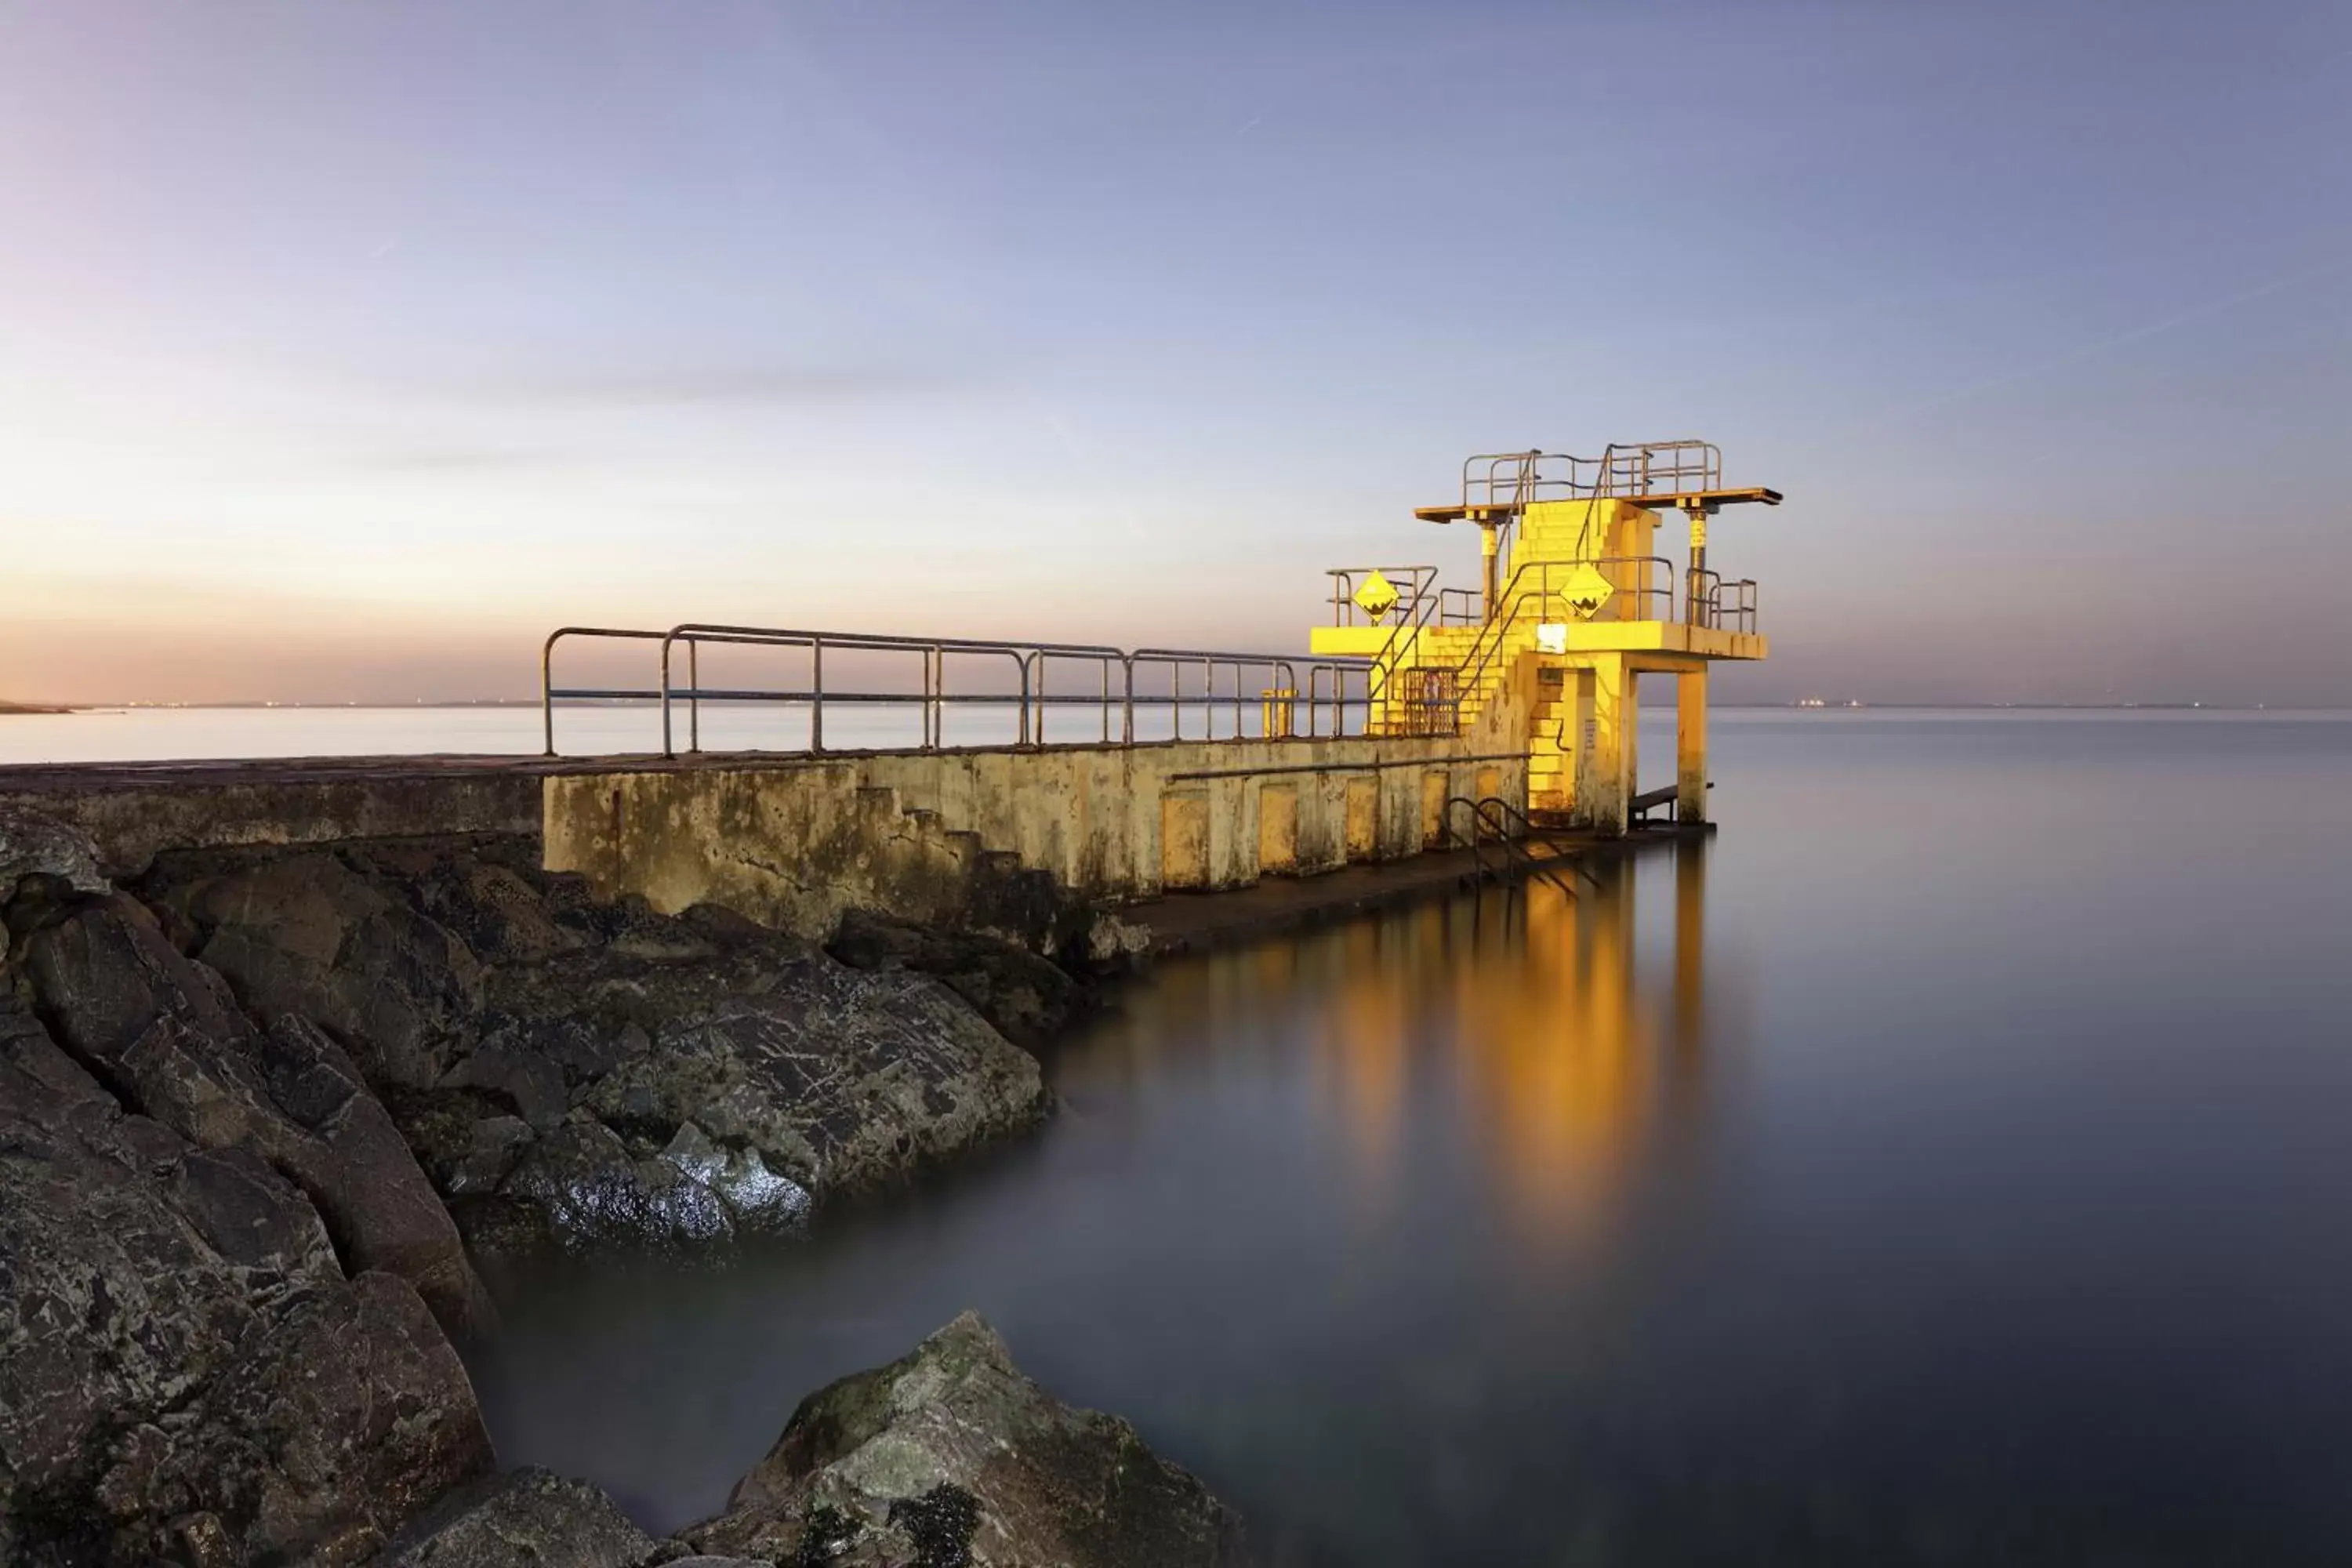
x,y
32,845
753,1194
590,1187
1028,998
839,1080
305,933
346,1415
950,1455
524,1517
465,1141
171,1041
597,1072
185,1375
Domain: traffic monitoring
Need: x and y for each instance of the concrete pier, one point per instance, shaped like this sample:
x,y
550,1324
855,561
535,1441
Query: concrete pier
x,y
944,836
1009,838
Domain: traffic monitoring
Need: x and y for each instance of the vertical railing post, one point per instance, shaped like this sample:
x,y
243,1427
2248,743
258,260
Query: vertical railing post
x,y
667,749
1021,717
547,690
694,701
816,692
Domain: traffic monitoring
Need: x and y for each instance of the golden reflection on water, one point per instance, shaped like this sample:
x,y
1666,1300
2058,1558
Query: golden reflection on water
x,y
1568,1066
1557,1047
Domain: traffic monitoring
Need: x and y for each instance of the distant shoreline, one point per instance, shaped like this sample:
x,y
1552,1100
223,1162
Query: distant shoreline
x,y
6,708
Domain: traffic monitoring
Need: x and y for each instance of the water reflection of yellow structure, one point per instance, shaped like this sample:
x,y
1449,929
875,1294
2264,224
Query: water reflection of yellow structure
x,y
1522,1033
1563,1065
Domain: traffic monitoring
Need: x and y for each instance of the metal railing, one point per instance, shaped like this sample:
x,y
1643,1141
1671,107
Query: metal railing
x,y
1403,635
1517,595
1335,695
1417,698
1493,816
1515,480
1416,587
1724,606
1412,585
1522,595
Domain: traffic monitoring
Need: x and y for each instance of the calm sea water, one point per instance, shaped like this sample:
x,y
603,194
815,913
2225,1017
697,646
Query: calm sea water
x,y
1949,1163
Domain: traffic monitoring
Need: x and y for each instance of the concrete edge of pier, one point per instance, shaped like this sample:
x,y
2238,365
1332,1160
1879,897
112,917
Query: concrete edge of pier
x,y
1378,847
1179,923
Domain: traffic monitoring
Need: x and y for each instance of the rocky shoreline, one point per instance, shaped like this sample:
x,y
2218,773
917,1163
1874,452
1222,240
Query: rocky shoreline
x,y
268,1116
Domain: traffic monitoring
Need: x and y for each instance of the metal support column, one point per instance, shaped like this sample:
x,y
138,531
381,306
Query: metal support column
x,y
1694,610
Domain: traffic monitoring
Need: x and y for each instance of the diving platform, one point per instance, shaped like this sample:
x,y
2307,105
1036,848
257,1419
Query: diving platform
x,y
1708,501
1573,602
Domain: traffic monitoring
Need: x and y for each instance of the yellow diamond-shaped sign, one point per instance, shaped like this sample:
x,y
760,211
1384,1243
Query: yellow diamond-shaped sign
x,y
1586,590
1377,597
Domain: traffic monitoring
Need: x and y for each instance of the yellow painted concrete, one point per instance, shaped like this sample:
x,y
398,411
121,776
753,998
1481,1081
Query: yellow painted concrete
x,y
1184,841
1690,745
1352,642
1433,808
1434,644
1277,830
1363,820
1604,794
924,835
1555,684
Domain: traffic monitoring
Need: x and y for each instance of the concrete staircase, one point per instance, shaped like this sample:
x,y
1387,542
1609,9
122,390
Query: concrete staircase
x,y
1552,748
1471,659
1478,663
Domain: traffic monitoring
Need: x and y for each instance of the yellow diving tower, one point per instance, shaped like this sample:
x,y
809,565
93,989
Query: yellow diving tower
x,y
1573,602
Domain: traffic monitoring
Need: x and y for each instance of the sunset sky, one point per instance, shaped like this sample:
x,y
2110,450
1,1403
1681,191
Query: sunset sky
x,y
344,350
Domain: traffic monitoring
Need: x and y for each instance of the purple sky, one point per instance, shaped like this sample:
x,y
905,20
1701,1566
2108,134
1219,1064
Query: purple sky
x,y
344,350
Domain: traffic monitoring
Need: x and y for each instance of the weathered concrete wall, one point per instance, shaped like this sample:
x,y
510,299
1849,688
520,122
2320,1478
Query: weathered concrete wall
x,y
998,838
134,812
1022,842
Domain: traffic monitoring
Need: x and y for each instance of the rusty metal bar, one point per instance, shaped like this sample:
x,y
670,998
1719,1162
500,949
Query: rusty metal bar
x,y
1032,697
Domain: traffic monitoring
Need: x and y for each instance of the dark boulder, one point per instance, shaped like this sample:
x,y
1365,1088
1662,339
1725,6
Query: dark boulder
x,y
33,845
185,1373
1028,999
595,1071
304,933
168,1039
950,1455
839,1080
526,1516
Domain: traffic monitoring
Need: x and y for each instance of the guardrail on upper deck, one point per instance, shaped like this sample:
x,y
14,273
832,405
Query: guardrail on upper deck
x,y
1514,480
1334,697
